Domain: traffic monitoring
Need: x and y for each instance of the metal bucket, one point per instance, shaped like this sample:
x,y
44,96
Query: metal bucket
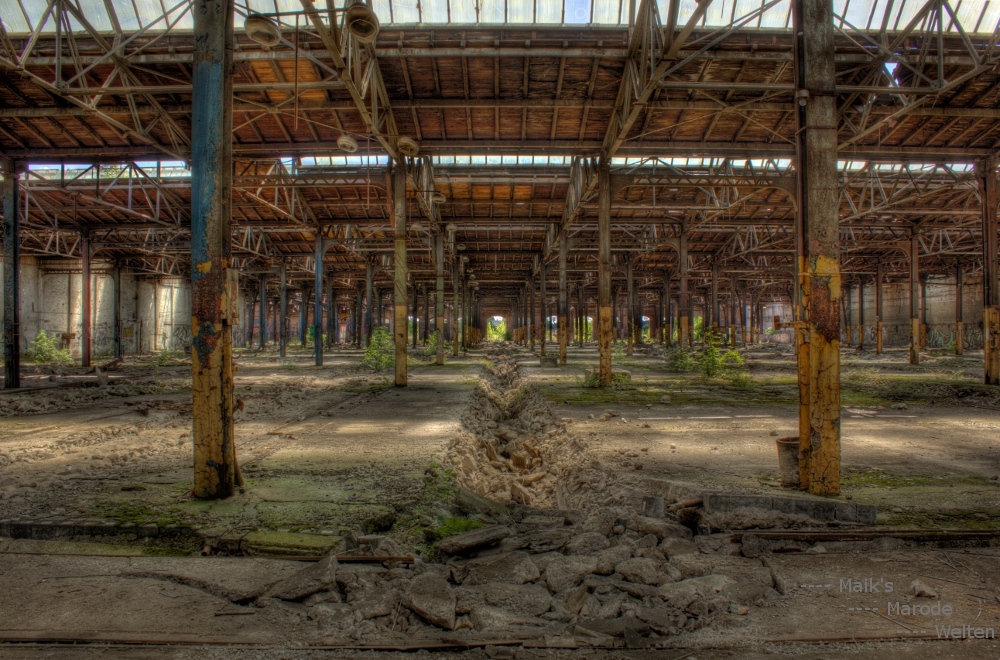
x,y
788,461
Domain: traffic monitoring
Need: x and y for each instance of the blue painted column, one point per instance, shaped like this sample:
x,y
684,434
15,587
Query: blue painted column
x,y
214,290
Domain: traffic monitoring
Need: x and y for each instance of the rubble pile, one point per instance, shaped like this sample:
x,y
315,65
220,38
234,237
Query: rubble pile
x,y
564,578
514,449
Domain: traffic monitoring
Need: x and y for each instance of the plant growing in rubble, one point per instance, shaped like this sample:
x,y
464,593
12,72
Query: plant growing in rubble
x,y
381,351
45,351
679,359
714,362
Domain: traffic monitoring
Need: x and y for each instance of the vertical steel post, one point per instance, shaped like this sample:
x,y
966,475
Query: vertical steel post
x,y
532,324
369,301
582,314
415,316
914,297
318,285
563,327
439,294
543,304
283,312
359,317
630,309
332,316
399,261
818,262
216,473
455,301
262,299
879,276
87,321
923,310
117,329
11,279
684,305
861,313
604,274
959,312
986,171
716,310
304,316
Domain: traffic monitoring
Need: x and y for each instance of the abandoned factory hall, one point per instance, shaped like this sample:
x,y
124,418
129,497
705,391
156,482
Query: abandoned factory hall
x,y
500,329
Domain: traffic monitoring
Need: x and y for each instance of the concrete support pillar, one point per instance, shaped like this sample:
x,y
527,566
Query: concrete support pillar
x,y
9,191
986,172
684,306
439,294
604,274
563,327
914,298
959,315
319,284
399,291
543,303
818,251
630,309
117,311
283,312
427,314
213,291
86,315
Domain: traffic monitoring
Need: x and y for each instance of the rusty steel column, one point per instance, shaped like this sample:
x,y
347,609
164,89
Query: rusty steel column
x,y
283,313
923,310
439,294
332,317
563,322
581,313
914,297
455,298
415,316
879,276
319,273
986,171
684,304
959,312
818,263
543,326
262,311
213,292
716,310
604,275
532,323
427,315
9,189
629,309
369,303
848,314
399,292
86,313
117,305
304,316
861,314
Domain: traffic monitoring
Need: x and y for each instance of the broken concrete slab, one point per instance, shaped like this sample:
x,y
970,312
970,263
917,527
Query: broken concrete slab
x,y
477,538
321,576
816,509
430,596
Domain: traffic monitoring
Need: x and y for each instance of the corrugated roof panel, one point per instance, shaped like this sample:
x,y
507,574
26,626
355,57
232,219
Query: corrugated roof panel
x,y
434,11
577,12
405,11
492,11
383,10
13,17
548,11
463,11
607,12
521,11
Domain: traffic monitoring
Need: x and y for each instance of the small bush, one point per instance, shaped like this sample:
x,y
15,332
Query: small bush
x,y
432,342
45,351
163,359
381,351
713,361
618,351
679,359
619,380
741,380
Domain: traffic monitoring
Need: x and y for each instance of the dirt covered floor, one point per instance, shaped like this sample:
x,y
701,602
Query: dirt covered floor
x,y
496,508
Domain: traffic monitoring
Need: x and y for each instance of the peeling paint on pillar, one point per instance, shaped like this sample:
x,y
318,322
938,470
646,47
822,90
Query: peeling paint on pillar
x,y
215,471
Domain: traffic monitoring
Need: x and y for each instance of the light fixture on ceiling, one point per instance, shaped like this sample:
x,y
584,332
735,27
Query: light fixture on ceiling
x,y
439,198
262,29
407,146
347,144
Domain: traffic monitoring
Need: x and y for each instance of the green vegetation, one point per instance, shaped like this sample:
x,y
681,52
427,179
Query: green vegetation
x,y
164,357
456,525
619,380
679,359
714,362
431,349
496,330
381,351
45,351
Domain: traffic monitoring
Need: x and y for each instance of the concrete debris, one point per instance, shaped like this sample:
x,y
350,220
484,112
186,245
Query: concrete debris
x,y
432,597
477,538
318,577
922,590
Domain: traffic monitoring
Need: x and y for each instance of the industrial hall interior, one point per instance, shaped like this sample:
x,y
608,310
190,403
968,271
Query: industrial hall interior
x,y
518,329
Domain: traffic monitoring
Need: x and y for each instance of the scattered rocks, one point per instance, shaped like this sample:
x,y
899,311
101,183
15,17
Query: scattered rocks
x,y
511,567
477,538
566,572
587,543
922,590
318,577
432,597
640,570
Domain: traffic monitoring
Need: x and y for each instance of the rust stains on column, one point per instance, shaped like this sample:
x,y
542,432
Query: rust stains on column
x,y
861,314
532,323
214,286
630,307
543,303
914,298
684,305
563,328
879,276
283,312
959,315
319,274
604,275
986,171
11,279
399,291
439,294
819,248
86,322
